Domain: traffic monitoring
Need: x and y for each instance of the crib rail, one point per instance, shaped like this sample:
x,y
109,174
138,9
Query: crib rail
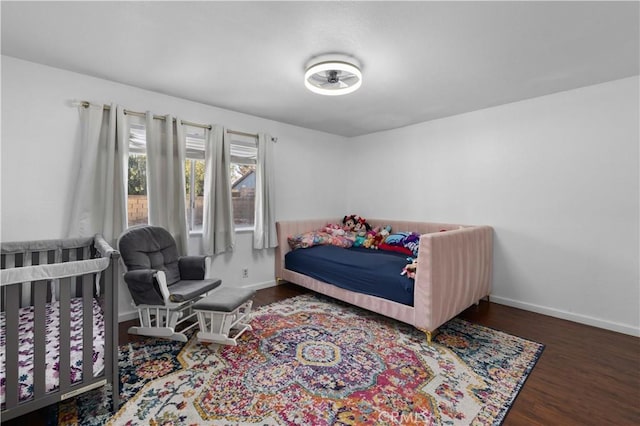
x,y
35,273
23,255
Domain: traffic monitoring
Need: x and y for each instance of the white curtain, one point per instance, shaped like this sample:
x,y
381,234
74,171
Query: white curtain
x,y
218,233
100,190
264,233
165,177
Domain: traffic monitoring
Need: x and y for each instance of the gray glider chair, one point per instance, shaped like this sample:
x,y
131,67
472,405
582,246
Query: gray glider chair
x,y
162,283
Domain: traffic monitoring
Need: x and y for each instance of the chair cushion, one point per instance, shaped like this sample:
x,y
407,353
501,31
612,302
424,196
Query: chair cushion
x,y
184,290
143,287
150,247
192,267
224,300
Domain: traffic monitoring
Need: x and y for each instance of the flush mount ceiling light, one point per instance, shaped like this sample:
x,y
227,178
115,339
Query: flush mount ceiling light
x,y
333,76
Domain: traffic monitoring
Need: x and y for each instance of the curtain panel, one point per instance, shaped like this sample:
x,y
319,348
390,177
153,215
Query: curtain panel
x,y
264,233
166,147
100,194
218,235
99,203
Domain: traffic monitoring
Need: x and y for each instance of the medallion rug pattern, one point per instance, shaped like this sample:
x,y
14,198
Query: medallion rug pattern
x,y
313,361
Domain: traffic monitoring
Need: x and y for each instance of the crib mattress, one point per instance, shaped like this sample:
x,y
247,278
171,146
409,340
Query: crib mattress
x,y
25,357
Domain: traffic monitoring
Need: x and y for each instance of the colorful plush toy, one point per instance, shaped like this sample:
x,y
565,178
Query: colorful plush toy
x,y
412,242
349,222
333,229
411,268
361,227
382,236
377,240
354,222
369,240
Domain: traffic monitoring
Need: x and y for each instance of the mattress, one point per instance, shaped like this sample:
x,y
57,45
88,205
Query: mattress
x,y
372,272
26,336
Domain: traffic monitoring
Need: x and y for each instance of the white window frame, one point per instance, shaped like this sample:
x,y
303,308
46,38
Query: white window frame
x,y
244,150
137,146
194,152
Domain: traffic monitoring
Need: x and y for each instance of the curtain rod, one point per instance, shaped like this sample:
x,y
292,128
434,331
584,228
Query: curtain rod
x,y
86,104
236,132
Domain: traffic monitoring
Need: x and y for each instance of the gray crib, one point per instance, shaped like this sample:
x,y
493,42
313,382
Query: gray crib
x,y
59,319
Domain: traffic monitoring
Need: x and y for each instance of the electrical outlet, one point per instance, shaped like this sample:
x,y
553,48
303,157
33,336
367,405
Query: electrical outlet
x,y
245,273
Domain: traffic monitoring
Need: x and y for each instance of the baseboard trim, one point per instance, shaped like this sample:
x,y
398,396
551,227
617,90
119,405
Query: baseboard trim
x,y
570,316
258,286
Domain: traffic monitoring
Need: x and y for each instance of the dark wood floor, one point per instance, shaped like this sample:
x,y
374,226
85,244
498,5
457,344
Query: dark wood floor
x,y
585,376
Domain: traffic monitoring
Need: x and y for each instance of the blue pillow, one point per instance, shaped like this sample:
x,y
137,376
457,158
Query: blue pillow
x,y
396,238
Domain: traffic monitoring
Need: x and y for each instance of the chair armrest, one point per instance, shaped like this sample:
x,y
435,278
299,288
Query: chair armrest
x,y
142,276
145,286
192,267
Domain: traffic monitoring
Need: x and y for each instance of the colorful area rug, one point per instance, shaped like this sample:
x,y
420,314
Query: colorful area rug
x,y
312,361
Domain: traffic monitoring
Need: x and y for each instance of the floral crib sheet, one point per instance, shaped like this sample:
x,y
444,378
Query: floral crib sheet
x,y
26,336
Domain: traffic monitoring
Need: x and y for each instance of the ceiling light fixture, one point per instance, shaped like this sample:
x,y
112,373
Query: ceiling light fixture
x,y
333,76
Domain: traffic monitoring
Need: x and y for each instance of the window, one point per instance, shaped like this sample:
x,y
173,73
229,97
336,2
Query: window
x,y
194,177
243,180
137,201
242,173
137,205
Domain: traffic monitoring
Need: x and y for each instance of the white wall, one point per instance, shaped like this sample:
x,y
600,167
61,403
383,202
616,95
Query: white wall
x,y
556,176
39,137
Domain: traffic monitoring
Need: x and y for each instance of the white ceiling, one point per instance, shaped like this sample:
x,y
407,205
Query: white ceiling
x,y
420,60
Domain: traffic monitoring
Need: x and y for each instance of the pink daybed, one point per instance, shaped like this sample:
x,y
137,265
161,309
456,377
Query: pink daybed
x,y
455,271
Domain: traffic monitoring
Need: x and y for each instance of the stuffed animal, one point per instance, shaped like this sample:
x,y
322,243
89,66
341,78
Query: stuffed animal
x,y
358,241
377,240
412,242
361,227
411,268
369,239
333,229
349,222
381,236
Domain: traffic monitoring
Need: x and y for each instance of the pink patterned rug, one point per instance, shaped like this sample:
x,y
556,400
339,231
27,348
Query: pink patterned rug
x,y
312,361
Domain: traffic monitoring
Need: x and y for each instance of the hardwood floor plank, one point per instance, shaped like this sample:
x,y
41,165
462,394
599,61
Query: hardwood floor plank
x,y
586,375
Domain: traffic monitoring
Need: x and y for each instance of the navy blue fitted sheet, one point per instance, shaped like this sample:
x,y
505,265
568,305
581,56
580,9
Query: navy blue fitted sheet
x,y
373,272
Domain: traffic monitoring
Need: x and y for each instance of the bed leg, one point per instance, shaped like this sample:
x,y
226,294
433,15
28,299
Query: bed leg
x,y
430,335
485,298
